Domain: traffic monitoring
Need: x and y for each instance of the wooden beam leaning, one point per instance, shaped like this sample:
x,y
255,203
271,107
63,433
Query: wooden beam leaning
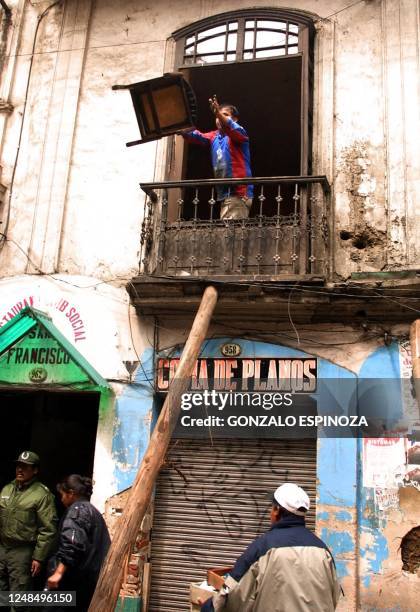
x,y
415,355
109,582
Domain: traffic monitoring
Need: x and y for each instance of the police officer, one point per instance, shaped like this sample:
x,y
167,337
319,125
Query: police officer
x,y
28,522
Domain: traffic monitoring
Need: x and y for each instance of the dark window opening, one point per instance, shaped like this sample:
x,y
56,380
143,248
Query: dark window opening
x,y
60,427
269,111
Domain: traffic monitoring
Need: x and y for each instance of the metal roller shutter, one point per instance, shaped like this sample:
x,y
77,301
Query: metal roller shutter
x,y
211,503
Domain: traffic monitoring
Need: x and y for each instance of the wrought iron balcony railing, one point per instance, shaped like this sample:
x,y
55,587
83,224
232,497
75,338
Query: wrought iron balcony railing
x,y
286,235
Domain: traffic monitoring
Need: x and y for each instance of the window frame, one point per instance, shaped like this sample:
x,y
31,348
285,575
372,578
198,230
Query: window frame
x,y
306,36
240,28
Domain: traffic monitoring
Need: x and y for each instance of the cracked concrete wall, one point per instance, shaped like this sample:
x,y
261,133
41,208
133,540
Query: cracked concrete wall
x,y
364,240
386,586
376,173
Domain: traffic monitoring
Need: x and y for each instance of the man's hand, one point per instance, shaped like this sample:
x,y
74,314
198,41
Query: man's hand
x,y
185,131
54,580
222,117
214,105
35,567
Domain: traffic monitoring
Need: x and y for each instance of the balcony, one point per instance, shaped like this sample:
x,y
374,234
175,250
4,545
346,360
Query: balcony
x,y
286,237
272,266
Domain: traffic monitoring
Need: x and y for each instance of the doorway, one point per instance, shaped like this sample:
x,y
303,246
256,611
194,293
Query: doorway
x,y
211,502
59,426
268,96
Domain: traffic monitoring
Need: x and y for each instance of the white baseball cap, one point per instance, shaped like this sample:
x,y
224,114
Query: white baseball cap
x,y
292,498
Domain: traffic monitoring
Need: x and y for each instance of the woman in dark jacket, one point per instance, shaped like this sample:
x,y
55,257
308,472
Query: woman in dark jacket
x,y
83,542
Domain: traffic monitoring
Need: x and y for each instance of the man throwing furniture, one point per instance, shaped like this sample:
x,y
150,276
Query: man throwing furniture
x,y
230,157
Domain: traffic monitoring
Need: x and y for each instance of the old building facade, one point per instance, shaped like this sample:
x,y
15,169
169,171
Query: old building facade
x,y
325,270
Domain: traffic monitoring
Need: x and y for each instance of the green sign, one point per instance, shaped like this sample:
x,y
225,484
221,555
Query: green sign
x,y
38,358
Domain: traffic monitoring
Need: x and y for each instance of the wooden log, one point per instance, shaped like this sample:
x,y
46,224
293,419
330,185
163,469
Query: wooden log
x,y
415,355
108,586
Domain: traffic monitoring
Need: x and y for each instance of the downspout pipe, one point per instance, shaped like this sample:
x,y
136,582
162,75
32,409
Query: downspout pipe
x,y
5,8
6,22
3,233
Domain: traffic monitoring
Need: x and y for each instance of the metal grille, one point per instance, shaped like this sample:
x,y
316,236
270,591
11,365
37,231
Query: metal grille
x,y
289,234
211,502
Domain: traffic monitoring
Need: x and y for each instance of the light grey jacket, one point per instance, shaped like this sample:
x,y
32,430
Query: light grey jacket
x,y
287,579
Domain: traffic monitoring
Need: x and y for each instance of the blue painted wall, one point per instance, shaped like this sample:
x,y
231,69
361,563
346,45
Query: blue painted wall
x,y
384,363
132,423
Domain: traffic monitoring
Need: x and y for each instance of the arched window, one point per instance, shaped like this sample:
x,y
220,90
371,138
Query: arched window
x,y
261,60
243,38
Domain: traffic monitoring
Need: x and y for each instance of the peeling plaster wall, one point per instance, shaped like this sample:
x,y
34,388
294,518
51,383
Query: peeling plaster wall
x,y
384,585
133,418
385,520
336,510
370,147
364,239
359,178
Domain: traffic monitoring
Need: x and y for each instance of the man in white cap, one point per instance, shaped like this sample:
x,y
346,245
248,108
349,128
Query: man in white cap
x,y
287,569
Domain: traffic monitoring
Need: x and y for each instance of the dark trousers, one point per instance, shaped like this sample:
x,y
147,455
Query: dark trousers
x,y
84,585
15,570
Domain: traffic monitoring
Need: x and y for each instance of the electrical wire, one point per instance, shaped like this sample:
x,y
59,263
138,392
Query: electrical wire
x,y
290,315
148,42
378,288
62,280
258,333
304,339
399,303
148,375
302,288
345,8
325,292
280,285
88,48
331,330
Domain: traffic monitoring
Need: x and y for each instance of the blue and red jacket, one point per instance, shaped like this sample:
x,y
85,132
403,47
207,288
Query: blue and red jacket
x,y
230,156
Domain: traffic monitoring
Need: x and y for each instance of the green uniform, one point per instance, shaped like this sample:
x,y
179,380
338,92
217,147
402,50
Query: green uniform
x,y
28,526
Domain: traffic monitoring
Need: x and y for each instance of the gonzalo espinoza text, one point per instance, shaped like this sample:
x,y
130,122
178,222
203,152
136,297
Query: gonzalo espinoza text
x,y
267,401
